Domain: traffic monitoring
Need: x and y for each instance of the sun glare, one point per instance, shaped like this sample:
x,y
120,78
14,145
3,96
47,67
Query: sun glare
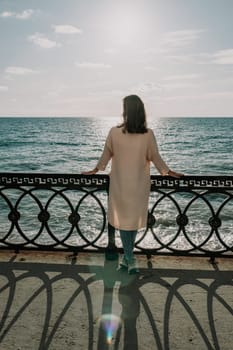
x,y
125,26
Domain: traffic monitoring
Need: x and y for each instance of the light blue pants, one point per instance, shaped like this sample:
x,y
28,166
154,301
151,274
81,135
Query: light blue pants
x,y
128,240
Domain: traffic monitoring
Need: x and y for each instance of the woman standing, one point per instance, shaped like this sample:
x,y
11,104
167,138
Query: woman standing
x,y
131,146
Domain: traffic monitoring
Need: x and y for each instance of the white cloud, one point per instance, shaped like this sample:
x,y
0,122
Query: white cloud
x,y
92,65
181,38
14,70
3,88
183,81
202,96
221,94
182,77
57,90
6,14
155,50
176,59
26,14
151,68
167,83
40,40
110,51
66,29
146,87
223,57
173,85
169,46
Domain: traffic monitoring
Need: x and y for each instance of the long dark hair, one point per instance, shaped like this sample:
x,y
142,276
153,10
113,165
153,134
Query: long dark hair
x,y
134,115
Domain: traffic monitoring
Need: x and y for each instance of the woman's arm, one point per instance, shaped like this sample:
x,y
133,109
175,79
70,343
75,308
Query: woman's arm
x,y
156,159
104,159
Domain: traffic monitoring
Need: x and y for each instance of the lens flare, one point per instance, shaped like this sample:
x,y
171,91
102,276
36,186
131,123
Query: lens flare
x,y
109,323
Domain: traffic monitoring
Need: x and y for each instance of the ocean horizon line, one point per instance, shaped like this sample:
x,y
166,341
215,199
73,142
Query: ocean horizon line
x,y
110,117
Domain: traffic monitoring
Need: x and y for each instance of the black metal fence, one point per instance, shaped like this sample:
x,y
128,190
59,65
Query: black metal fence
x,y
188,216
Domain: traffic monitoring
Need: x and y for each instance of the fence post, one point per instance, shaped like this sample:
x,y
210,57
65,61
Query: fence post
x,y
111,250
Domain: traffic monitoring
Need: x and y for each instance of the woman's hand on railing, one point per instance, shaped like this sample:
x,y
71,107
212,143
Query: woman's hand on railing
x,y
174,174
90,172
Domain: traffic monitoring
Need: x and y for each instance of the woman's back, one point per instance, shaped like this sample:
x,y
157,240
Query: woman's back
x,y
129,153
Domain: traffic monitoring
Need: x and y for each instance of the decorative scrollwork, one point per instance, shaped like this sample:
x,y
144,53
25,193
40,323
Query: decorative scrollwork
x,y
68,212
14,216
151,220
53,180
215,222
182,220
43,216
74,218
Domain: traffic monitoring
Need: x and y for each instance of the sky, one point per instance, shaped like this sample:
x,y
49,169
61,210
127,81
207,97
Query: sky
x,y
81,57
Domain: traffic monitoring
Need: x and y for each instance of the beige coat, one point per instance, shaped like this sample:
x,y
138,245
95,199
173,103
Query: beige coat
x,y
130,176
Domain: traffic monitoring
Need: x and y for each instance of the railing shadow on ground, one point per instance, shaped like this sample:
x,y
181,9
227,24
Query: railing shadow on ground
x,y
59,306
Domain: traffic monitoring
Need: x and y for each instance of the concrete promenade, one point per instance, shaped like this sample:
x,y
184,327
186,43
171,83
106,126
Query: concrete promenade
x,y
57,301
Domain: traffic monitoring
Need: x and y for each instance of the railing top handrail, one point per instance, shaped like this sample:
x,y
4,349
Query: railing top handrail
x,y
101,181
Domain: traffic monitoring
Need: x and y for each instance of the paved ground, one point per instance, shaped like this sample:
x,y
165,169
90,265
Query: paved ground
x,y
56,301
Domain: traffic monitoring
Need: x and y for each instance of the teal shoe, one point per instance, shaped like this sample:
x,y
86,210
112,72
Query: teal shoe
x,y
132,267
123,264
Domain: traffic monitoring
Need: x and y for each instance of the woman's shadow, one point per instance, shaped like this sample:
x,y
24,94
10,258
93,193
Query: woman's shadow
x,y
129,299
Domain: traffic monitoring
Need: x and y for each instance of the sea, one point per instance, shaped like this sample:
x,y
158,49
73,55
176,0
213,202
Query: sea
x,y
193,146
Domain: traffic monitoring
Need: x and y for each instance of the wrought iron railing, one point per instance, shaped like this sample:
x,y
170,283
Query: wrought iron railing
x,y
188,216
